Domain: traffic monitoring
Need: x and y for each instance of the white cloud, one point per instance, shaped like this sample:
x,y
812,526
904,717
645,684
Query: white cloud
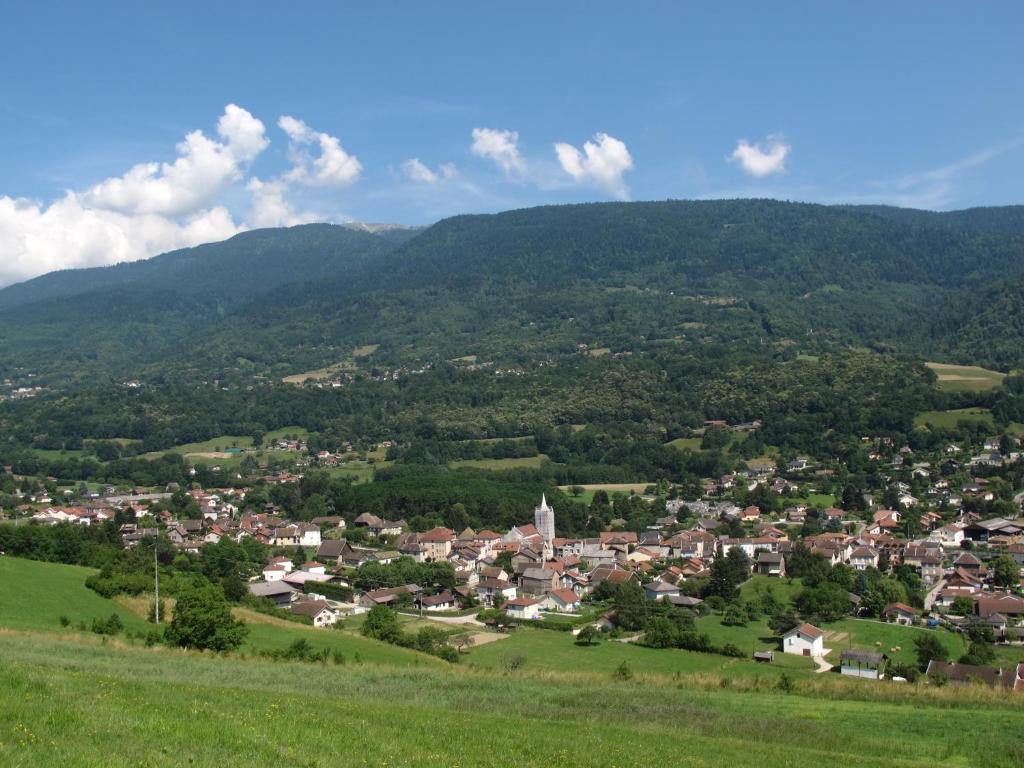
x,y
603,162
761,159
269,207
69,234
415,170
500,146
154,207
334,167
203,169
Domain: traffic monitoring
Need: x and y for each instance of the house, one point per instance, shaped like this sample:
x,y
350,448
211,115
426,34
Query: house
x,y
804,640
389,595
378,526
863,558
538,581
561,601
442,601
488,590
867,664
659,590
968,674
277,591
771,564
900,613
318,610
523,608
333,550
437,543
274,573
685,601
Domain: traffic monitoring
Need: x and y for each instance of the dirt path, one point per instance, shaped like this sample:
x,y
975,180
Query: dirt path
x,y
457,620
823,664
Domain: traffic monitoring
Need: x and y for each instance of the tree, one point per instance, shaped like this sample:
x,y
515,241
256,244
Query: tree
x,y
203,620
829,602
462,641
661,633
781,623
382,624
577,490
1005,571
588,635
929,648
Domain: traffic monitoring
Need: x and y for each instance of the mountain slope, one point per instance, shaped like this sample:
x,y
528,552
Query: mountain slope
x,y
634,277
529,285
109,319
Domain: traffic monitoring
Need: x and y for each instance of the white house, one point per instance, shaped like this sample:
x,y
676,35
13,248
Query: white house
x,y
309,535
318,610
659,590
274,572
804,640
523,608
561,600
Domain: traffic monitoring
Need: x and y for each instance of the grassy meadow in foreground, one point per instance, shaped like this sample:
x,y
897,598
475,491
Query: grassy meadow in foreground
x,y
79,702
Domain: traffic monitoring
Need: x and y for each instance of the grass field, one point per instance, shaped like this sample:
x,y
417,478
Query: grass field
x,y
949,419
76,702
891,639
35,595
966,378
526,462
610,488
550,651
359,471
691,443
75,699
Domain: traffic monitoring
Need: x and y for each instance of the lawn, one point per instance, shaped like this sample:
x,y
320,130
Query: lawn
x,y
76,702
966,378
525,462
949,419
783,589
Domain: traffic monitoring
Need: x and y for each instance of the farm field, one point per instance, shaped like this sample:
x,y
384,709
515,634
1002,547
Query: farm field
x,y
945,419
68,699
359,471
966,378
526,462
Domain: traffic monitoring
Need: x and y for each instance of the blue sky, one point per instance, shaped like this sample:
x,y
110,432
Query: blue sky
x,y
918,104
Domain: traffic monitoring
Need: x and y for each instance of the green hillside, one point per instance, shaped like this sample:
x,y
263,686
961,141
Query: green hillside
x,y
73,702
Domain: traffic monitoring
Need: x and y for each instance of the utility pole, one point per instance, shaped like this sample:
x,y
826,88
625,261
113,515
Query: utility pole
x,y
156,582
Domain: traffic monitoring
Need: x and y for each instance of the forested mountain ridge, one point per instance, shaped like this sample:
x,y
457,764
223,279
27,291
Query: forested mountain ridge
x,y
640,277
535,284
108,320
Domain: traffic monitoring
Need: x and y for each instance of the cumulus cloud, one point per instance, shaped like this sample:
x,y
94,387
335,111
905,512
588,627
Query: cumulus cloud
x,y
415,170
154,207
763,158
270,208
603,162
69,233
203,169
502,147
334,167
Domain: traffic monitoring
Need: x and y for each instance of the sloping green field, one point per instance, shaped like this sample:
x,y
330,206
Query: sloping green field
x,y
76,702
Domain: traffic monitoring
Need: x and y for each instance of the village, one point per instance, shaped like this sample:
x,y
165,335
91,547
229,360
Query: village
x,y
958,572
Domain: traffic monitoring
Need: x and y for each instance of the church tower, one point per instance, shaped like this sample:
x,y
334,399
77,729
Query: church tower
x,y
544,519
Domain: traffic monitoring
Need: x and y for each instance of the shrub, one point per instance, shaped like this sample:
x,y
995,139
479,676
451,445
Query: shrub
x,y
623,672
64,620
109,626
